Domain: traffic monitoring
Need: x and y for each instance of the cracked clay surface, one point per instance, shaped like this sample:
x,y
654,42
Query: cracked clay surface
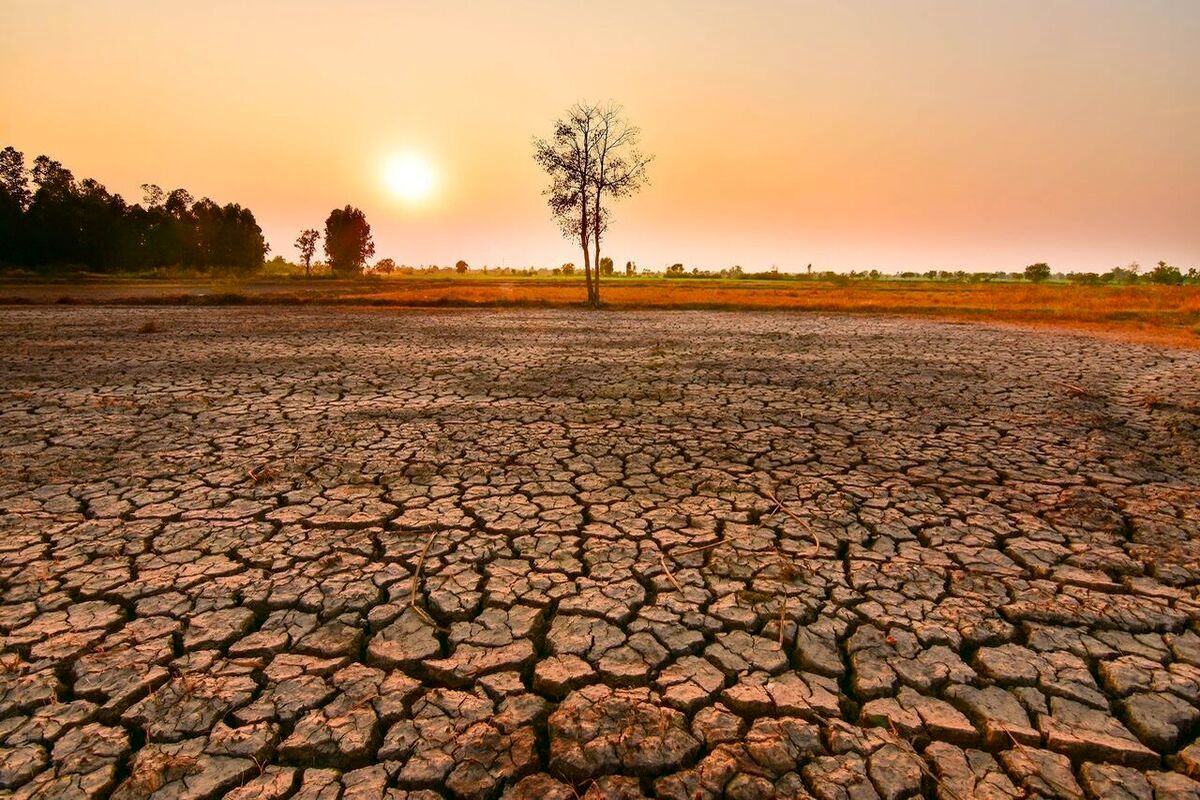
x,y
314,553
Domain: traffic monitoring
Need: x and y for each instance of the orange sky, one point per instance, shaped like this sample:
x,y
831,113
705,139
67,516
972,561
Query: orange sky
x,y
897,135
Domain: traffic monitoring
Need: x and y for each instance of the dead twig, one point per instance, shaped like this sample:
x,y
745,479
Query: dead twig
x,y
416,583
693,550
782,616
662,559
905,747
779,506
1019,745
1073,389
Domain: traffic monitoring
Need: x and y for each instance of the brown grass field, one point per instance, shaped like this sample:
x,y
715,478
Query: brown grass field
x,y
1165,315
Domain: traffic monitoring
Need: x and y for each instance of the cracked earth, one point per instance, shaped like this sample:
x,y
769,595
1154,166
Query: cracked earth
x,y
550,555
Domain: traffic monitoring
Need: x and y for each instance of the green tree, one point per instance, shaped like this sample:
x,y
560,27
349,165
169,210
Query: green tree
x,y
1165,274
306,243
1036,273
348,242
606,266
461,266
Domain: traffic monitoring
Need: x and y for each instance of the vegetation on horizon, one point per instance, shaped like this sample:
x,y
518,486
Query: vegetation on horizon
x,y
49,219
50,222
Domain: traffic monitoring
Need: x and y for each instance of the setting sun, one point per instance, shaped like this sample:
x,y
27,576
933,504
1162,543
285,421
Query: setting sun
x,y
410,177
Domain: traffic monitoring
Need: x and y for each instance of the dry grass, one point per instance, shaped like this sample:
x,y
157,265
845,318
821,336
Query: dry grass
x,y
1152,314
1167,315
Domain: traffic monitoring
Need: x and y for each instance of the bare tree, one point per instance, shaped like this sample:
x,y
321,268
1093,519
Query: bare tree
x,y
306,243
569,158
591,157
620,170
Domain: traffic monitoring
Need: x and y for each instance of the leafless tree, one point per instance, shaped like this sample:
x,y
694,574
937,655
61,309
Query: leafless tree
x,y
620,170
592,155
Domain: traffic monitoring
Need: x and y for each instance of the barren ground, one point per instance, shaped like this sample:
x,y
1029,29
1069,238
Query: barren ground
x,y
546,554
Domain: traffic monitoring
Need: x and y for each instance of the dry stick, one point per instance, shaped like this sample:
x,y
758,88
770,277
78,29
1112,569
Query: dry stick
x,y
782,612
416,580
1072,388
662,559
1019,745
700,549
779,506
924,767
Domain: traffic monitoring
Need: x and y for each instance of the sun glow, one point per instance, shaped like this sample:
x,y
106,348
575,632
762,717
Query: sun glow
x,y
410,177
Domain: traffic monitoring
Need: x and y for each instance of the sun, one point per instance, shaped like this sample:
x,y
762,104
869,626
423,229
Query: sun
x,y
410,177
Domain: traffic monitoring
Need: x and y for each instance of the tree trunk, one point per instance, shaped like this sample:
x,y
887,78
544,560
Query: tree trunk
x,y
583,243
596,245
583,217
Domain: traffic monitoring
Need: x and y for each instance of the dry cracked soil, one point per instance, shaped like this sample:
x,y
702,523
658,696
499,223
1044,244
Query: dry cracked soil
x,y
552,555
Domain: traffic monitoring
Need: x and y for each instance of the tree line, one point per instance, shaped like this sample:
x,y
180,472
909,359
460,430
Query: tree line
x,y
49,219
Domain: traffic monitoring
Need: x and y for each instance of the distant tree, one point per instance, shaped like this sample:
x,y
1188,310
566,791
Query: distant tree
x,y
51,221
461,266
630,269
592,155
348,242
1036,273
675,269
14,200
1127,274
385,266
14,181
306,243
606,266
736,271
567,269
1166,274
226,237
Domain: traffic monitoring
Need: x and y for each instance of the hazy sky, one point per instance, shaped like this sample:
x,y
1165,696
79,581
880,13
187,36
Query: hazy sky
x,y
899,135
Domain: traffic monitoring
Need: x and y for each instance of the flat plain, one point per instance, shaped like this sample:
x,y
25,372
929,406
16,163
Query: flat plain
x,y
1145,313
317,553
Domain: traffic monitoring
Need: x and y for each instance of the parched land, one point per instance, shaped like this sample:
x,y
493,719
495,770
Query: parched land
x,y
540,555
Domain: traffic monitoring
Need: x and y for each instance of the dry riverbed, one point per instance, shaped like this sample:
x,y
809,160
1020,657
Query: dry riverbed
x,y
312,552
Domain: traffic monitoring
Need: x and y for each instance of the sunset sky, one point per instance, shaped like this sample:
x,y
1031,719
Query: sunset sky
x,y
898,135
